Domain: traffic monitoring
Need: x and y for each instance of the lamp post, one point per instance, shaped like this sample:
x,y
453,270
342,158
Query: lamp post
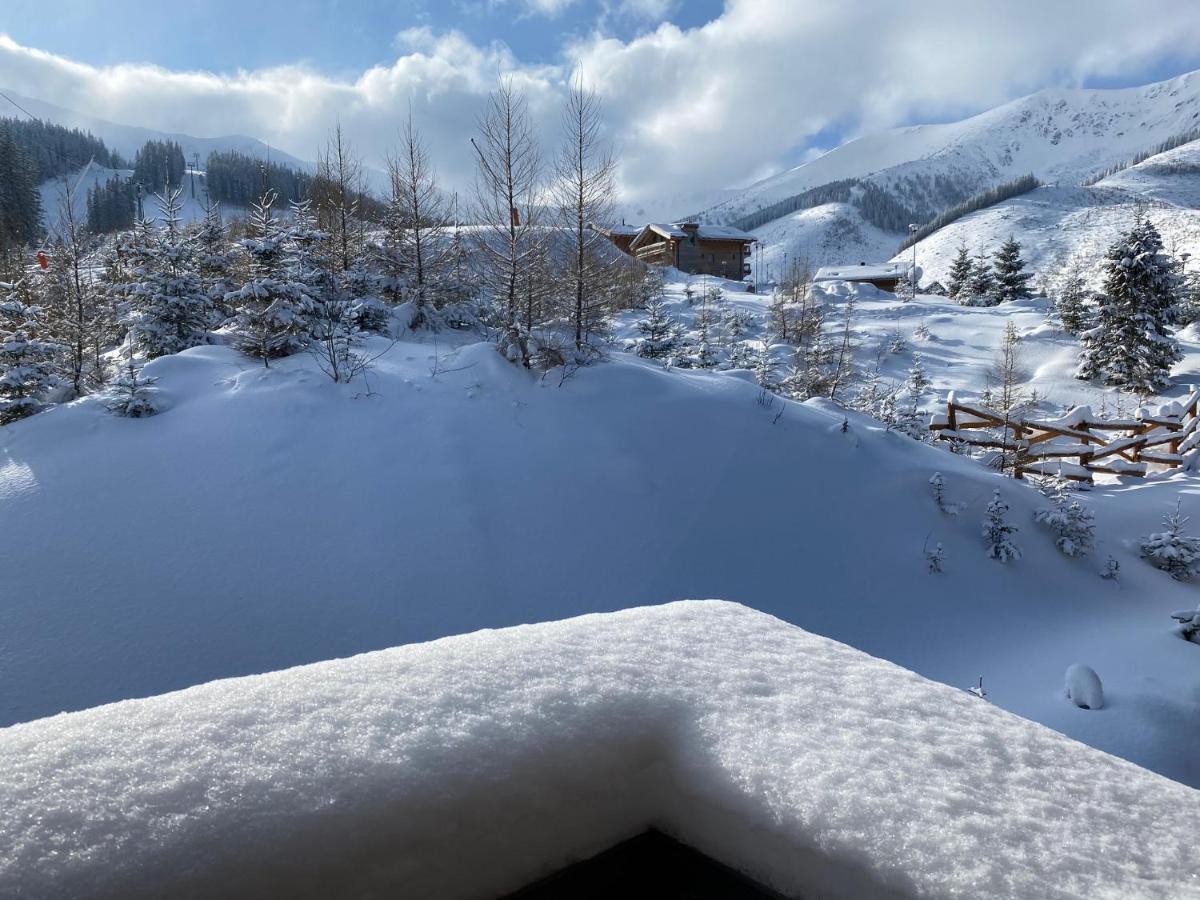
x,y
912,275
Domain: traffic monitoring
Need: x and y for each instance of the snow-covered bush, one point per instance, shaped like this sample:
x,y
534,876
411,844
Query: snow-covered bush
x,y
998,532
1174,552
935,558
1071,521
1189,622
938,484
1111,570
1083,687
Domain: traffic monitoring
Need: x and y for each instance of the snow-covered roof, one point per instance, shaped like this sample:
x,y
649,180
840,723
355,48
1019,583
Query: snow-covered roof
x,y
625,230
472,765
860,272
704,232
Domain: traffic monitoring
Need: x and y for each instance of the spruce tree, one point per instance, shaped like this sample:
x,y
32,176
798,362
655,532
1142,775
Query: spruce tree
x,y
980,288
269,318
960,275
1174,552
660,332
169,308
1010,276
1131,344
998,532
1072,297
1068,518
214,261
27,361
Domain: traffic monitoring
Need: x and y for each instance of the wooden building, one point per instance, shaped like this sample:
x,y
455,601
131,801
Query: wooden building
x,y
688,246
884,276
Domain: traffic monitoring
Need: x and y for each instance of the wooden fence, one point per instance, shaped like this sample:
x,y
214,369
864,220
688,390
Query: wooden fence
x,y
1046,447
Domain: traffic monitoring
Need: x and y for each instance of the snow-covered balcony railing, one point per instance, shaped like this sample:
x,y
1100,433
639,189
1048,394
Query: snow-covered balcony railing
x,y
470,766
1168,436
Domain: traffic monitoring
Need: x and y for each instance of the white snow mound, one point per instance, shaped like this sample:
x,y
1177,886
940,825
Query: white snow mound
x,y
1084,688
471,765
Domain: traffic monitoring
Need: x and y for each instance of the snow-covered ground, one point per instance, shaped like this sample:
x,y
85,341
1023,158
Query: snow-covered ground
x,y
470,766
268,518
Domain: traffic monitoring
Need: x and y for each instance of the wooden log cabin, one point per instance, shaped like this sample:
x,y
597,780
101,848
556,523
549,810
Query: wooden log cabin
x,y
688,246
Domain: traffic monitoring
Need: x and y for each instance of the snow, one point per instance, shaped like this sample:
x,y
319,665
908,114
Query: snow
x,y
467,767
268,518
1083,687
861,272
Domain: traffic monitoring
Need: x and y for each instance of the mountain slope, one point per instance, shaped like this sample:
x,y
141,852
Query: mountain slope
x,y
1057,223
1062,136
128,139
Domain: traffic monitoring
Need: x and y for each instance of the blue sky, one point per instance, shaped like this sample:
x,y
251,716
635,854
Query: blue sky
x,y
700,95
339,37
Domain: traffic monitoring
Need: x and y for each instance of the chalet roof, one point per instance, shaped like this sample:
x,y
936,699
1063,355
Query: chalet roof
x,y
861,272
676,231
625,230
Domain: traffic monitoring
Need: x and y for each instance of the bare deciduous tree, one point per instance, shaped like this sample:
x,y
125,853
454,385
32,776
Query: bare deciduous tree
x,y
506,189
584,171
416,217
335,193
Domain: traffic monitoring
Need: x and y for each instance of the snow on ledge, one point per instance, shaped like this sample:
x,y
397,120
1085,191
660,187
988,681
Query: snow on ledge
x,y
469,766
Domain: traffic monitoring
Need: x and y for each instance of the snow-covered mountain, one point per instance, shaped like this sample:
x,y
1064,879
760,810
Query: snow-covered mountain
x,y
1057,223
128,139
1062,136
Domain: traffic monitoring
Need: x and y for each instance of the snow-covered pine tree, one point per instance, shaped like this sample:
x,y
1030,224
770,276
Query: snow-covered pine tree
x,y
764,367
1131,343
1011,279
28,363
980,289
660,332
998,532
132,395
214,260
652,285
918,383
961,271
269,315
1174,552
938,484
1068,518
1072,298
169,309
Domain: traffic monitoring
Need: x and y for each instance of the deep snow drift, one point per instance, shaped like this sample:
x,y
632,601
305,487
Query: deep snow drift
x,y
269,518
472,765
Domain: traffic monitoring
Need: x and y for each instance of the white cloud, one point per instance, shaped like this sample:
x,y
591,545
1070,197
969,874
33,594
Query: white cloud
x,y
696,109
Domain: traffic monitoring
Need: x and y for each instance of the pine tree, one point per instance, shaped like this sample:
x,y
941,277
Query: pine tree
x,y
1174,552
961,271
132,395
1068,518
269,313
1072,298
980,290
1011,277
660,332
998,532
27,361
1131,344
169,308
918,382
214,261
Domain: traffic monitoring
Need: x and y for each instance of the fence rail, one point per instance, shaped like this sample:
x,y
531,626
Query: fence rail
x,y
1045,447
